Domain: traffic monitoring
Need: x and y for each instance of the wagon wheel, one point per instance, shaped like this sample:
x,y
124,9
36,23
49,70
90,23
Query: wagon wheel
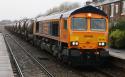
x,y
26,38
59,57
55,51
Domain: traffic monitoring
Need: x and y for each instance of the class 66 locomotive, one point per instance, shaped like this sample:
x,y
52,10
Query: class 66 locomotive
x,y
79,36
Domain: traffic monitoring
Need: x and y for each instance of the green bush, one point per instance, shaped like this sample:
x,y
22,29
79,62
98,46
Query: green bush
x,y
117,39
117,34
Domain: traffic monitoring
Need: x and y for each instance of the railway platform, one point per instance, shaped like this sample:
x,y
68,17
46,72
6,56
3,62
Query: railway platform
x,y
5,65
117,53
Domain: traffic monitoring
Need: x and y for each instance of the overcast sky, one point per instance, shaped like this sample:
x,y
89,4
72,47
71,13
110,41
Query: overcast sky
x,y
17,9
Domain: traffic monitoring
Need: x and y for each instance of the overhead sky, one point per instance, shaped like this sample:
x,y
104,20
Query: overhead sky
x,y
17,9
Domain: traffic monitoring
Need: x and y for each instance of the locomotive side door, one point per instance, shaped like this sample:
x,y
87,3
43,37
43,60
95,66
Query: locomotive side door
x,y
63,30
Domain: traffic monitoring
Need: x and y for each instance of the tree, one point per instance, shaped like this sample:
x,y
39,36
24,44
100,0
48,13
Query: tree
x,y
63,8
39,15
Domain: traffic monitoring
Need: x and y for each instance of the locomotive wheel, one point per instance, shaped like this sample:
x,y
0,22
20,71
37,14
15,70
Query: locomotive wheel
x,y
55,50
41,46
64,55
34,42
59,57
55,53
38,43
26,38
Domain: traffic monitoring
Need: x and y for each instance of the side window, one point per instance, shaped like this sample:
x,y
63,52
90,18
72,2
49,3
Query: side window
x,y
40,27
116,11
49,27
65,24
37,27
123,8
101,7
55,28
112,10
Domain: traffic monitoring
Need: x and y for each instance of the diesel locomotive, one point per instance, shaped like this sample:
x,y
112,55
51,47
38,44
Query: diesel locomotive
x,y
78,36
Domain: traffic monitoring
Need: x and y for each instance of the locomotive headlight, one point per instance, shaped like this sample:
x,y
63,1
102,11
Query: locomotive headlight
x,y
102,43
77,43
74,43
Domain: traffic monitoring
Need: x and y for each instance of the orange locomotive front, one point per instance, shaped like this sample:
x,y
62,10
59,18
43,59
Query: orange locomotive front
x,y
87,38
87,32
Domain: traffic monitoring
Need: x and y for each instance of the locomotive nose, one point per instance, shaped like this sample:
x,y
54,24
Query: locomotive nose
x,y
88,41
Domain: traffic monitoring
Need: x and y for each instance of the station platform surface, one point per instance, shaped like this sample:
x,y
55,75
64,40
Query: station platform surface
x,y
117,53
5,65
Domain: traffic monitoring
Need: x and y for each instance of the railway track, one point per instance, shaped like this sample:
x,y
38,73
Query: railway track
x,y
113,71
59,70
118,62
27,60
18,70
55,69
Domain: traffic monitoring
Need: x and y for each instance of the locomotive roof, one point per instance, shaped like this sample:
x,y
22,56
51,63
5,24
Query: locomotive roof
x,y
86,9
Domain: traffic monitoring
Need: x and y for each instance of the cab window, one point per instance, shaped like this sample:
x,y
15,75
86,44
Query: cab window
x,y
79,24
98,24
65,24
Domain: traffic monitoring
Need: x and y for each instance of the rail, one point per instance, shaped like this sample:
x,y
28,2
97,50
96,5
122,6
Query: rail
x,y
44,69
13,56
